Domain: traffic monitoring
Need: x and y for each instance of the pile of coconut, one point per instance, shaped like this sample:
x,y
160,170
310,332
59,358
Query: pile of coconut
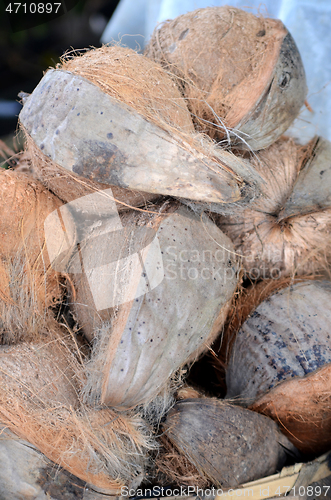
x,y
157,223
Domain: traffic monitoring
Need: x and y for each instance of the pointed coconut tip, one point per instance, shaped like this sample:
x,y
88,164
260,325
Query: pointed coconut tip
x,y
273,244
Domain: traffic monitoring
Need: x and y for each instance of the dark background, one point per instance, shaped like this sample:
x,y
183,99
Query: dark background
x,y
26,53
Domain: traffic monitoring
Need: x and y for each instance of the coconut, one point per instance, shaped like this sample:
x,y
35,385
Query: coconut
x,y
153,295
99,115
242,75
225,442
280,363
28,284
40,403
285,231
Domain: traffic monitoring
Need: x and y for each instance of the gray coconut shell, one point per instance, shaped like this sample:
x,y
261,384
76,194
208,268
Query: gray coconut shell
x,y
228,444
286,336
95,136
142,342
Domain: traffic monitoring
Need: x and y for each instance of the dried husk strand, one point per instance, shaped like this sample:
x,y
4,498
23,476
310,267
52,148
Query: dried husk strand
x,y
112,123
280,363
242,75
224,442
40,403
29,286
151,316
285,232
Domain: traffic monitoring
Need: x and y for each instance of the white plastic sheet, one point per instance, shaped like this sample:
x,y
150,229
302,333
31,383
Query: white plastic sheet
x,y
309,22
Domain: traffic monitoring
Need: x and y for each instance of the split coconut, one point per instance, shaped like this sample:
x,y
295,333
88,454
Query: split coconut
x,y
242,75
152,291
99,116
29,286
40,404
280,363
227,444
286,230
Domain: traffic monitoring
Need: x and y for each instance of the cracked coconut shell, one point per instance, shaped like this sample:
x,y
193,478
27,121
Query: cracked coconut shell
x,y
280,363
242,75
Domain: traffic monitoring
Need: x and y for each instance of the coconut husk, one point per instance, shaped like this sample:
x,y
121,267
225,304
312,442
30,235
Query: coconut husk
x,y
301,407
124,299
225,442
40,403
173,467
277,235
134,80
28,284
114,123
242,75
280,351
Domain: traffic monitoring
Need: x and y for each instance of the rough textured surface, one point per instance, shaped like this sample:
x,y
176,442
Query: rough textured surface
x,y
280,363
40,403
236,70
286,336
109,142
302,407
149,322
286,230
226,443
69,186
26,474
28,284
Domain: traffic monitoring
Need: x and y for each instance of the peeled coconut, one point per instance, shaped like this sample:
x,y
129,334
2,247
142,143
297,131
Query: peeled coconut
x,y
286,230
242,75
152,291
40,404
28,284
280,363
103,113
227,444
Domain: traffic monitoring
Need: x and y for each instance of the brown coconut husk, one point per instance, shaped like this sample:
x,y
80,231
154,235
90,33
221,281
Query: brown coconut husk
x,y
230,65
134,80
301,407
175,468
224,441
28,286
273,242
140,342
40,403
279,365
